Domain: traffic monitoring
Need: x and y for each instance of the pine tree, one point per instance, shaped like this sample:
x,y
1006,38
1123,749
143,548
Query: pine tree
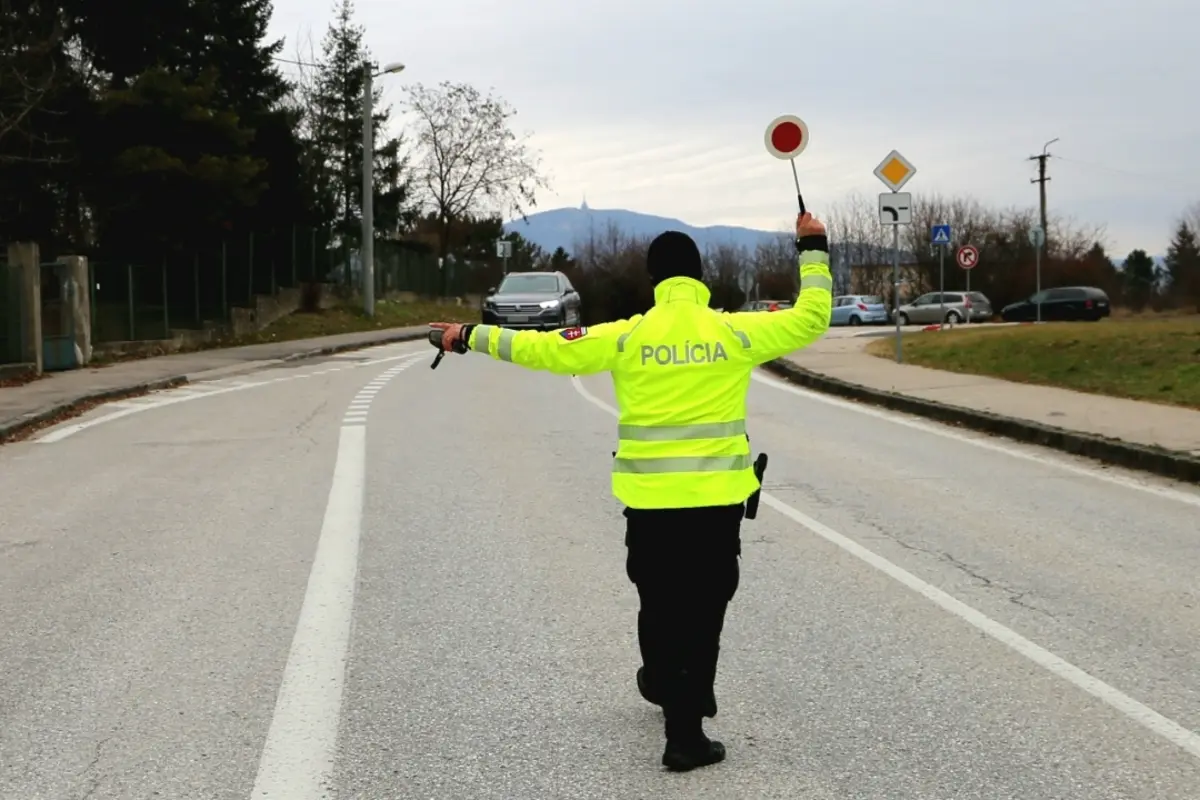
x,y
1139,275
337,132
191,130
1183,266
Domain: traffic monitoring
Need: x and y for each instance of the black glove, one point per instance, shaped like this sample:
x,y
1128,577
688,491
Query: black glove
x,y
817,242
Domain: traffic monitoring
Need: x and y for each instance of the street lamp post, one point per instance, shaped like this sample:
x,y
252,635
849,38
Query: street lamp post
x,y
368,172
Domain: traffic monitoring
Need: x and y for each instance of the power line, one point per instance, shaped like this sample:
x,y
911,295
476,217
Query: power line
x,y
296,63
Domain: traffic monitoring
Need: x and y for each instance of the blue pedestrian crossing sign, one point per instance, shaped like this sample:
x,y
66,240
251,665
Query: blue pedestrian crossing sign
x,y
940,234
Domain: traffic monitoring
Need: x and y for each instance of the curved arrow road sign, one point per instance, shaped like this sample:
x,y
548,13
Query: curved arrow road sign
x,y
895,208
967,257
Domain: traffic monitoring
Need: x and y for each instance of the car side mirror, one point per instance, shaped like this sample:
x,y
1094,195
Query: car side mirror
x,y
491,290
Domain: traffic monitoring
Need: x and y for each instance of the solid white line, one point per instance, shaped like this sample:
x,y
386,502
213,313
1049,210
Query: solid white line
x,y
298,757
1123,481
1143,715
166,398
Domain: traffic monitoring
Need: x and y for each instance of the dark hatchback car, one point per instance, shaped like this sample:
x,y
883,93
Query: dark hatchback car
x,y
538,300
1065,304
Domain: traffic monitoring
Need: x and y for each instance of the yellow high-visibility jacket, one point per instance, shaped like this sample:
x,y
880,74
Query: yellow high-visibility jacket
x,y
681,373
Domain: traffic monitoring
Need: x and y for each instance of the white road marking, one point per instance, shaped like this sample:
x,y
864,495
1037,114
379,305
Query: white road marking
x,y
1143,715
297,760
298,757
896,418
360,406
183,394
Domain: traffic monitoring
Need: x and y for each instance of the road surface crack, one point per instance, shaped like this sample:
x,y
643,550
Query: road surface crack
x,y
1013,595
94,781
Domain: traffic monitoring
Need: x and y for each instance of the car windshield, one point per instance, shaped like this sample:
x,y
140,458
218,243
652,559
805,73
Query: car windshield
x,y
529,284
977,297
872,301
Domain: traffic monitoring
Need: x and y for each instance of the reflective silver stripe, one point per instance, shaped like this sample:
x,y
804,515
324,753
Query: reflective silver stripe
x,y
504,350
679,433
621,339
814,257
482,334
649,466
741,335
816,282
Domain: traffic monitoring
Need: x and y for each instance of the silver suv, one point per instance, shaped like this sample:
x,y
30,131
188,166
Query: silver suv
x,y
539,300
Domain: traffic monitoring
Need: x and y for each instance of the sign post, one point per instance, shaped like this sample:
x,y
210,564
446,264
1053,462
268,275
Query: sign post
x,y
1037,238
968,259
504,250
786,138
895,209
940,236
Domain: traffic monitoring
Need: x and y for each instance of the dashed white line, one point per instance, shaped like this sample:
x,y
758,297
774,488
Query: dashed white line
x,y
360,406
1143,715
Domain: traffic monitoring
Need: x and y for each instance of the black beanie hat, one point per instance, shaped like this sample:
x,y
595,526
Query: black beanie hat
x,y
673,255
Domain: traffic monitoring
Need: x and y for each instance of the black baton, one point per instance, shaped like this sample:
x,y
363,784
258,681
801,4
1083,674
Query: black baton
x,y
760,469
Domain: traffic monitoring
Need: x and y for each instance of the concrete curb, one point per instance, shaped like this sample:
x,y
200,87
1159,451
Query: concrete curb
x,y
14,430
345,348
1158,461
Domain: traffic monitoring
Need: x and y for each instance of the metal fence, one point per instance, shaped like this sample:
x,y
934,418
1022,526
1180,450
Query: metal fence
x,y
12,317
146,297
140,299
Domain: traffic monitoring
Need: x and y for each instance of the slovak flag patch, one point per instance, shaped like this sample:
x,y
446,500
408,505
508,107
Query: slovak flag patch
x,y
571,334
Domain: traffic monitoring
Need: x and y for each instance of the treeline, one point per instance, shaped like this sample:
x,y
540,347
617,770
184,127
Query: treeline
x,y
609,268
143,131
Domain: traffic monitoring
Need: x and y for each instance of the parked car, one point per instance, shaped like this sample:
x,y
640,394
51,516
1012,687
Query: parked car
x,y
540,300
1068,303
859,309
767,305
953,307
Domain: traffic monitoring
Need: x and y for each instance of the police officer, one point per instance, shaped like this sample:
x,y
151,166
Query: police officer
x,y
683,466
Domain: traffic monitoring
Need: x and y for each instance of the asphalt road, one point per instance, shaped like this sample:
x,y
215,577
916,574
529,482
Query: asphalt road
x,y
194,603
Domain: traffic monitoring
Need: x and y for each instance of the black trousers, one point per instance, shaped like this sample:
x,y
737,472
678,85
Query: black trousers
x,y
684,563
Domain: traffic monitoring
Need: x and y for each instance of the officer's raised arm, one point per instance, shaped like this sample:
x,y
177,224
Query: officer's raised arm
x,y
570,351
775,334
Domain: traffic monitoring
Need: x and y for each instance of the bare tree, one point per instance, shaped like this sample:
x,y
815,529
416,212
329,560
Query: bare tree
x,y
468,159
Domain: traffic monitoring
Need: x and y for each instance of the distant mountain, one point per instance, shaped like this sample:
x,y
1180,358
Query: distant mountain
x,y
565,227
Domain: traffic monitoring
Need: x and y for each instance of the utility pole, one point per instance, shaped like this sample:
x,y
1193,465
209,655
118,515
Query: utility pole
x,y
367,250
1045,230
1041,178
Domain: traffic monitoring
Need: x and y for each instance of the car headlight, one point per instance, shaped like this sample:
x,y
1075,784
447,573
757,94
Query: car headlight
x,y
549,304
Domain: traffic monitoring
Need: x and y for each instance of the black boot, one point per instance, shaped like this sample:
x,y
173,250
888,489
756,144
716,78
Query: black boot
x,y
688,748
645,688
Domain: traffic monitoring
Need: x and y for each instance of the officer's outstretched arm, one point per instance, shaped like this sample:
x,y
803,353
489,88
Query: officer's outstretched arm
x,y
777,333
571,351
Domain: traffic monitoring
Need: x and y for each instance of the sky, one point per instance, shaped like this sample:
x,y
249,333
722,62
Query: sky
x,y
660,106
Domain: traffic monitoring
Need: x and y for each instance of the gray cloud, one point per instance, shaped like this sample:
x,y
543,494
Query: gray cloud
x,y
660,106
